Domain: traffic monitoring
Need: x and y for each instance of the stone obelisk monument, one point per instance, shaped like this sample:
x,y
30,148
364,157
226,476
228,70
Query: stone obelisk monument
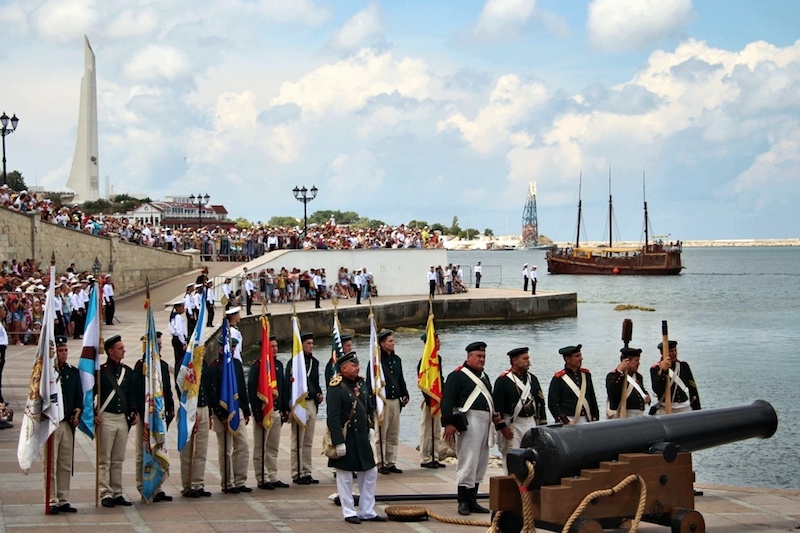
x,y
84,178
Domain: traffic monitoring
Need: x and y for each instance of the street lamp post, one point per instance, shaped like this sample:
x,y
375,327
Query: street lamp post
x,y
304,195
5,130
200,201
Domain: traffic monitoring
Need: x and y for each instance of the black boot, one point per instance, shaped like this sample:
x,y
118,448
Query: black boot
x,y
473,502
463,500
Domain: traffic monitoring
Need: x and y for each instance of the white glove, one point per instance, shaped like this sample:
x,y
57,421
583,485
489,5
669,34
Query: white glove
x,y
371,434
341,449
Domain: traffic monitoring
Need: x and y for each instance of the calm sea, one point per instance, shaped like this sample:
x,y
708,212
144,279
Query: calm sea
x,y
735,313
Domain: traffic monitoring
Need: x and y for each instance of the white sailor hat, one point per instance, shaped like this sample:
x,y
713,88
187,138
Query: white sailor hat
x,y
190,285
233,310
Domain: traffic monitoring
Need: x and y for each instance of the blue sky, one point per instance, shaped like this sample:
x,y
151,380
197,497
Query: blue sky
x,y
426,110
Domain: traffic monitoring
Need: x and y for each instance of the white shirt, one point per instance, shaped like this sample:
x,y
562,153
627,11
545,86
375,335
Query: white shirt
x,y
108,292
249,288
226,290
75,301
533,274
188,302
3,334
431,275
477,269
176,327
236,334
525,271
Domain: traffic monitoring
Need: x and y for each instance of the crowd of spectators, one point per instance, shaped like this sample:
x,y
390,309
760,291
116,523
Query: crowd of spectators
x,y
219,243
450,279
285,285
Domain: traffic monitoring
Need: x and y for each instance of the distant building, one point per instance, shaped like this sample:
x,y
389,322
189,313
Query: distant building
x,y
177,212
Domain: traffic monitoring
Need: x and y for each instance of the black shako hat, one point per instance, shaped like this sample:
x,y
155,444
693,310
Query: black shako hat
x,y
476,347
144,337
672,344
629,352
111,342
305,336
385,333
61,340
349,357
346,337
569,350
273,337
516,351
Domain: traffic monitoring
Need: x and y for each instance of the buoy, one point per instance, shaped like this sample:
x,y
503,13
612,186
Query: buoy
x,y
616,270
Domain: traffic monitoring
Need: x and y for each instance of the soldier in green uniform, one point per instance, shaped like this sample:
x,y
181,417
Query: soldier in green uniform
x,y
396,398
304,436
64,435
237,446
115,416
519,399
627,373
349,404
468,414
331,368
169,412
194,453
267,441
571,398
684,389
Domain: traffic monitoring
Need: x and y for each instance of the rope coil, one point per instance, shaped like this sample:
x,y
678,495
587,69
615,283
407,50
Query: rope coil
x,y
410,513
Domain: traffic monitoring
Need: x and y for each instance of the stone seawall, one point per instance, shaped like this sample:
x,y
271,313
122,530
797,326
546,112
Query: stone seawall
x,y
27,236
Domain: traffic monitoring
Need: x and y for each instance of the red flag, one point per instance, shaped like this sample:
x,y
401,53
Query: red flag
x,y
266,375
430,374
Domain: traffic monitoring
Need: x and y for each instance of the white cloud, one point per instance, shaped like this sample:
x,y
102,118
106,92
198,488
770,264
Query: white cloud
x,y
130,23
347,85
363,27
503,18
630,24
156,62
775,170
65,20
304,12
359,169
510,103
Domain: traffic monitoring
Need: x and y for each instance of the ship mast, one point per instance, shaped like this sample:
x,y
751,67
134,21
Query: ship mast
x,y
646,218
578,237
610,210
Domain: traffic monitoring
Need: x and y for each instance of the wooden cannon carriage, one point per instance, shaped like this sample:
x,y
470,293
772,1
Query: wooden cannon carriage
x,y
571,462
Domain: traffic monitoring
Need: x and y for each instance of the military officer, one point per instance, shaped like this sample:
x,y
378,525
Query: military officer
x,y
430,426
304,436
626,377
267,440
64,435
194,453
519,400
116,414
138,379
349,404
468,415
571,398
331,368
682,385
396,398
237,447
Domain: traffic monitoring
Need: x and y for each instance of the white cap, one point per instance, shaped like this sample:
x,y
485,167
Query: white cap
x,y
233,310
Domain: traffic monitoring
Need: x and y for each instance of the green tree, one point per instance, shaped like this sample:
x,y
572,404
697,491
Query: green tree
x,y
367,223
438,227
96,207
15,181
417,224
283,221
454,229
243,223
469,233
489,232
322,217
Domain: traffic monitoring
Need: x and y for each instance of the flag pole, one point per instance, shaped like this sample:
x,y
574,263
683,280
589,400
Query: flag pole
x,y
191,461
48,483
377,422
263,431
296,423
430,411
99,382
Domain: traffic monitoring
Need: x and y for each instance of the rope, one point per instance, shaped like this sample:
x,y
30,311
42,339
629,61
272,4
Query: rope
x,y
528,516
610,492
408,513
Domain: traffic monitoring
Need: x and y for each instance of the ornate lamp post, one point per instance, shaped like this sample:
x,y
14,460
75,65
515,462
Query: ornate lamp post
x,y
304,195
200,201
5,130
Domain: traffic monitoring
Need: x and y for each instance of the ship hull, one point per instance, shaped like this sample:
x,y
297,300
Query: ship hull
x,y
646,261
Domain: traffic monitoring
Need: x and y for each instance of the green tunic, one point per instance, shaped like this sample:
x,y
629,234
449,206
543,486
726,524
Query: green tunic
x,y
341,396
614,381
71,391
241,388
562,401
659,380
457,388
125,401
252,389
507,395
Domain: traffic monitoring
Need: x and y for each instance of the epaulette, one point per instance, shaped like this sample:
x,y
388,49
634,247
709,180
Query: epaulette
x,y
505,372
458,368
585,370
335,380
560,373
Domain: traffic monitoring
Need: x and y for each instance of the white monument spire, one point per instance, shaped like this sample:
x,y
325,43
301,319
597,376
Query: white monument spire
x,y
84,178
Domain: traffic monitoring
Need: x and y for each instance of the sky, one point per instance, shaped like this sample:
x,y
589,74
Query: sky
x,y
419,110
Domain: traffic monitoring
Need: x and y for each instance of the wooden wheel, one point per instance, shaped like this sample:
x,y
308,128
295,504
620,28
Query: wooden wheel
x,y
687,521
583,525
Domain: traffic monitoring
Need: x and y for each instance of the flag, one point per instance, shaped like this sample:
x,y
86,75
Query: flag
x,y
267,380
430,374
229,395
299,377
336,346
44,408
376,371
155,462
188,379
89,363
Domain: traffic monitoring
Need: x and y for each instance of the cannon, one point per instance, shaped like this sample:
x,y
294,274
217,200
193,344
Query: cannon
x,y
571,462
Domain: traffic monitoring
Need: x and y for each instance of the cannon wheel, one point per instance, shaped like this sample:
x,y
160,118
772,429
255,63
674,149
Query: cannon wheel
x,y
687,521
583,525
509,522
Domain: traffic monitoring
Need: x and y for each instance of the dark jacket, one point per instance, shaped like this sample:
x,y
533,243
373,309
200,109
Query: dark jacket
x,y
216,388
342,394
138,384
614,382
71,391
457,389
281,404
507,394
123,403
659,380
312,370
562,401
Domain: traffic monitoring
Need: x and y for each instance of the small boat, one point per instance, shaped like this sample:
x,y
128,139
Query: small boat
x,y
652,258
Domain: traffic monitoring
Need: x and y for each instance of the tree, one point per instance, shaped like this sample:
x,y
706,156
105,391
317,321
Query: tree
x,y
488,232
323,217
454,227
243,223
438,227
417,224
96,207
367,223
469,233
283,221
15,181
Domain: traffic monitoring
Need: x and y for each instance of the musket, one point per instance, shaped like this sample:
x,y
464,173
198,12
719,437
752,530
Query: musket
x,y
627,335
665,357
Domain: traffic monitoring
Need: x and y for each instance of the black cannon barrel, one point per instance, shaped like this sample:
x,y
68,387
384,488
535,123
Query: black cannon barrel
x,y
562,451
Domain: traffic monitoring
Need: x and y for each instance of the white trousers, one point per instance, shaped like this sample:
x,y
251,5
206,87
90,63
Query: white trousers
x,y
472,448
520,426
367,482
